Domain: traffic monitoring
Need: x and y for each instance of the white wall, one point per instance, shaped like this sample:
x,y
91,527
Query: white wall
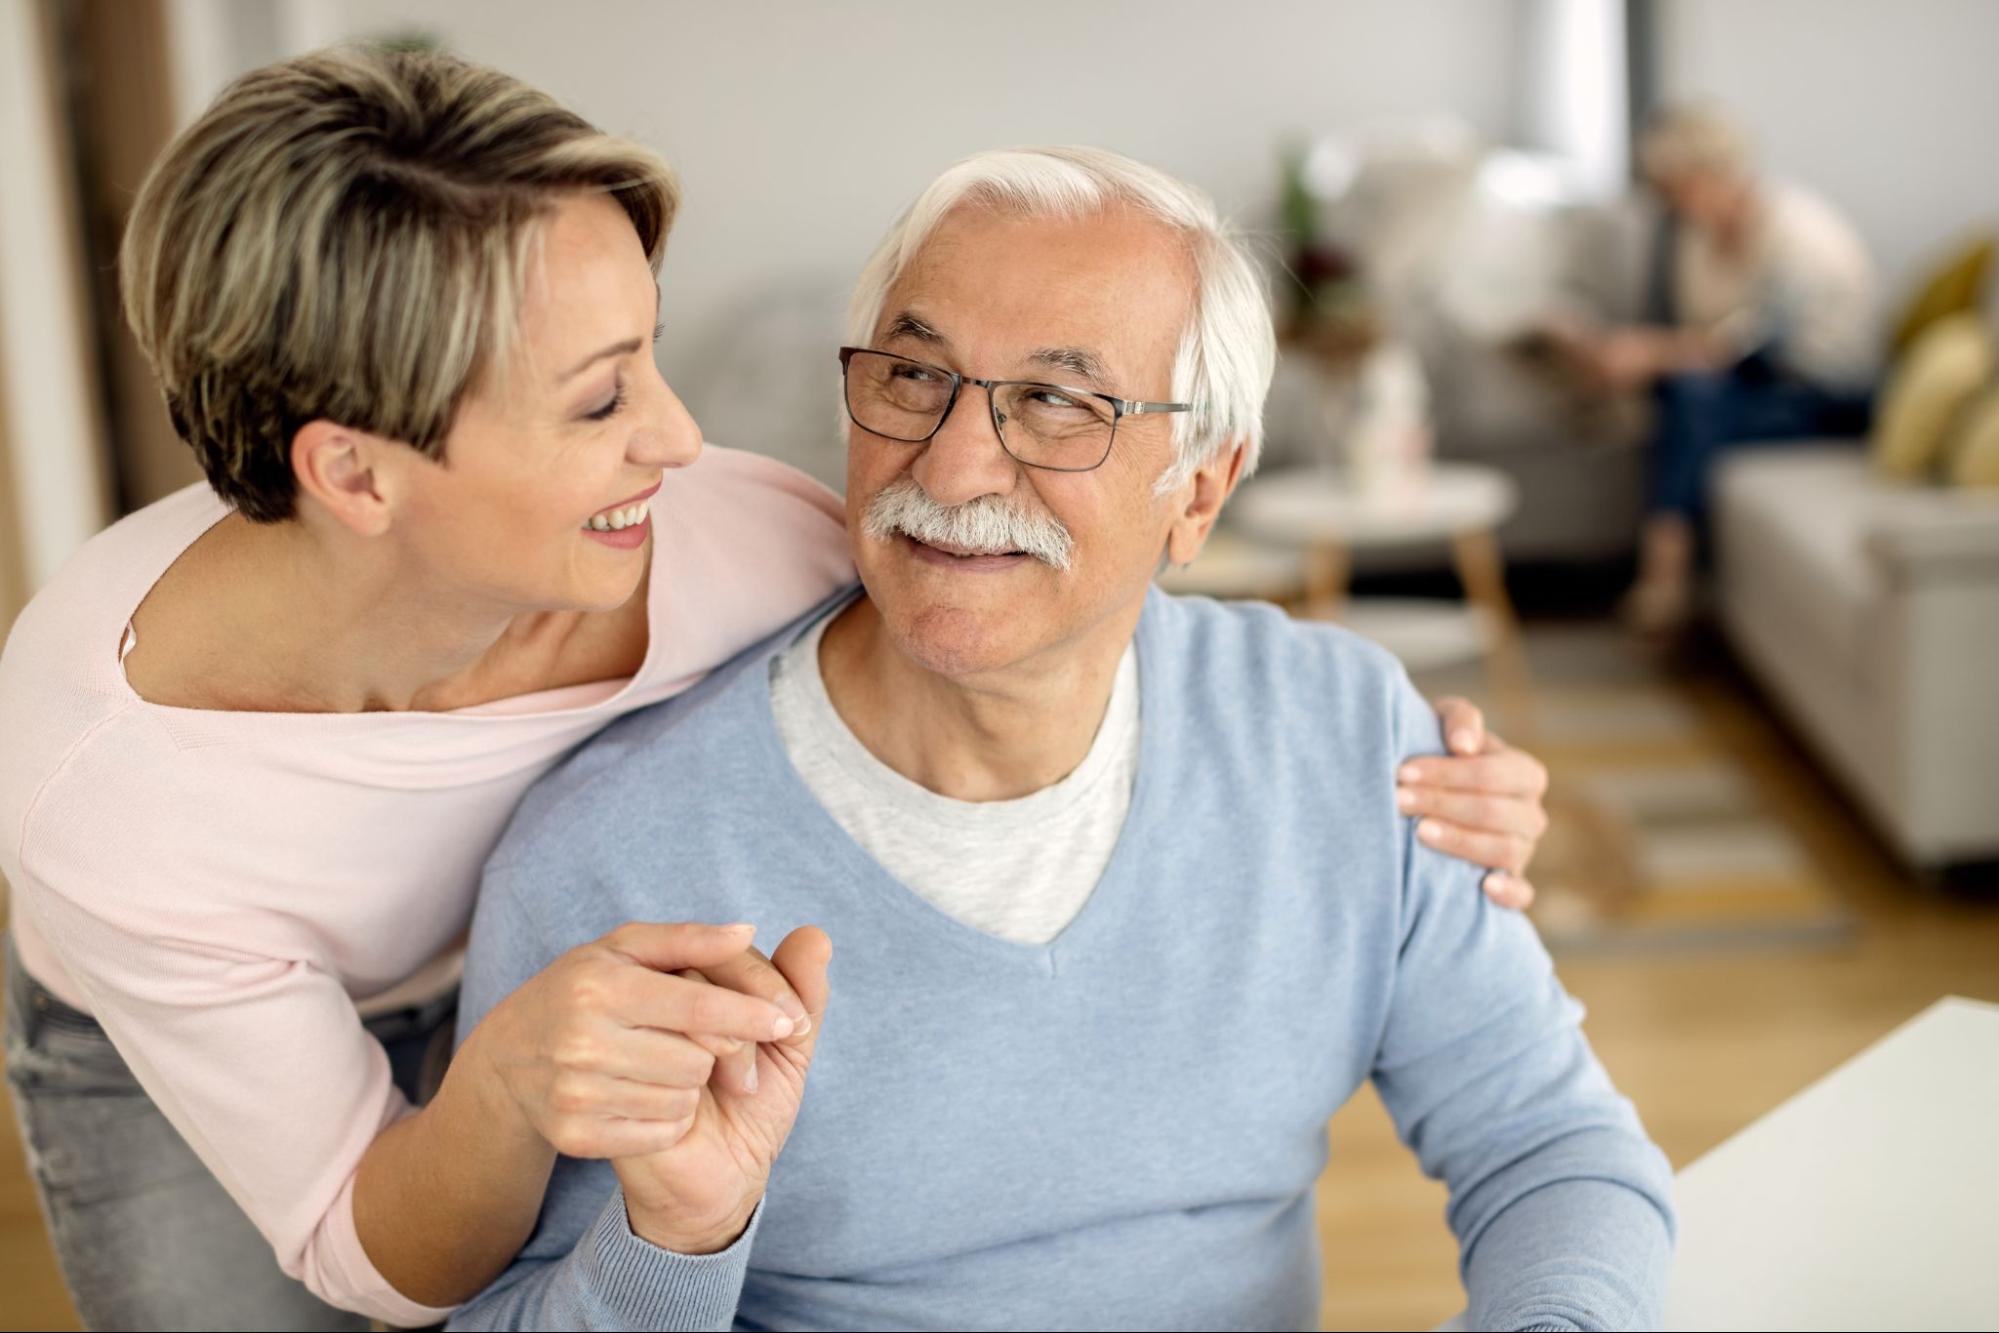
x,y
1888,107
801,129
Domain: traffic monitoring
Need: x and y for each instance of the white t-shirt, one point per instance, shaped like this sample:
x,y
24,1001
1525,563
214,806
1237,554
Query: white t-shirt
x,y
1018,869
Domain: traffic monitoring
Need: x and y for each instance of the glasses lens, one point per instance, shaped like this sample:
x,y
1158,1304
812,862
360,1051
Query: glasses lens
x,y
1054,427
900,399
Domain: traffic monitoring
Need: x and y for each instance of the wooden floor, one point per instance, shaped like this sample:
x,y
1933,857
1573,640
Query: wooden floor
x,y
1703,1042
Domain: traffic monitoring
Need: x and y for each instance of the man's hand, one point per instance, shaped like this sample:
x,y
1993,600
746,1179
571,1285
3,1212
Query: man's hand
x,y
696,1196
1481,803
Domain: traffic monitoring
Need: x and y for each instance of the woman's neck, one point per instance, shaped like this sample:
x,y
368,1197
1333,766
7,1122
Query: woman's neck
x,y
278,618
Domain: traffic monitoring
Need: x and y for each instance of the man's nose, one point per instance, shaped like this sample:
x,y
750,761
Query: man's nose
x,y
965,459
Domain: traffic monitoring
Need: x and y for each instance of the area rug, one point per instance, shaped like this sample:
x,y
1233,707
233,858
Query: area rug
x,y
1659,838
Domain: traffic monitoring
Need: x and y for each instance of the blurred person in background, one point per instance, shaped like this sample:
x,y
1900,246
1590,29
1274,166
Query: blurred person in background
x,y
1764,310
262,734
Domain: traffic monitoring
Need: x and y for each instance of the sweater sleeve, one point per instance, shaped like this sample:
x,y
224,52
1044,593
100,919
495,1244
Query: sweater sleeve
x,y
1560,1203
583,1267
610,1278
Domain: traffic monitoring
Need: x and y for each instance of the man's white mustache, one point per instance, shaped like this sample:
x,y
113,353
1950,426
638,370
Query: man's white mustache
x,y
988,525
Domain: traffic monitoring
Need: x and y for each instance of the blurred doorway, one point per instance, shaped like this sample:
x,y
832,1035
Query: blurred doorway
x,y
118,99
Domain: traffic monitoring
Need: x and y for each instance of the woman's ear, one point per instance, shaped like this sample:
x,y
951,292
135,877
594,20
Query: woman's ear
x,y
339,469
1200,503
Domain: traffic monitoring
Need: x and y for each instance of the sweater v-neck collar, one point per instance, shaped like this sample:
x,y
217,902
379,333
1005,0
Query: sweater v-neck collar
x,y
862,875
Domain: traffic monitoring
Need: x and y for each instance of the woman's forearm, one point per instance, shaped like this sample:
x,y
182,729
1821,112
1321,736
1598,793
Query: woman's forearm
x,y
445,1198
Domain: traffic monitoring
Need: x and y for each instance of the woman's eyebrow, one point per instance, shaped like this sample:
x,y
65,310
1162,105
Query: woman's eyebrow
x,y
625,348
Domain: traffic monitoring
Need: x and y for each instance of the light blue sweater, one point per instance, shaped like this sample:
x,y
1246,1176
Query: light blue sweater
x,y
1121,1128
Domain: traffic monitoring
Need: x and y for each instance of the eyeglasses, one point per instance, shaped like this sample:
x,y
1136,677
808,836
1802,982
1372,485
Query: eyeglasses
x,y
1041,425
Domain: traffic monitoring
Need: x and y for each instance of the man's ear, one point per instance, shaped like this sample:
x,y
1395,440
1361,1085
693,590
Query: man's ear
x,y
1200,503
342,470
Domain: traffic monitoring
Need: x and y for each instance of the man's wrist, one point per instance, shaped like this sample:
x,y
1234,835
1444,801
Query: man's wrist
x,y
678,1237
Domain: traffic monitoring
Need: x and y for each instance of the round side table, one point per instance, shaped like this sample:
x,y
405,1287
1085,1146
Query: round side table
x,y
1463,504
1231,566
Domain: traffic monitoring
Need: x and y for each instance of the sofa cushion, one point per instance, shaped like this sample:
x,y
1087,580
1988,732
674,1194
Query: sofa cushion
x,y
1794,524
1943,372
1973,455
1955,286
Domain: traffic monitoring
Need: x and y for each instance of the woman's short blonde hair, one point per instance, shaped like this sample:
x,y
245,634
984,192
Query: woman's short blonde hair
x,y
1696,138
344,236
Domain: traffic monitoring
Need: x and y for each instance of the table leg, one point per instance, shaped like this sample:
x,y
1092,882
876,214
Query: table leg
x,y
1327,569
1483,572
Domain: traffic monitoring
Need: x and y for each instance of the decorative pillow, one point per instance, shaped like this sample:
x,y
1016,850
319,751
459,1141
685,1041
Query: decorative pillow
x,y
1952,288
1944,370
1972,458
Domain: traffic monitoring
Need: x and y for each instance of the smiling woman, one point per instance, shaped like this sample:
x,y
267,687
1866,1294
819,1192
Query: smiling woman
x,y
262,733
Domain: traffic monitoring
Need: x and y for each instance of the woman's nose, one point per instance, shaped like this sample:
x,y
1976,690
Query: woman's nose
x,y
670,436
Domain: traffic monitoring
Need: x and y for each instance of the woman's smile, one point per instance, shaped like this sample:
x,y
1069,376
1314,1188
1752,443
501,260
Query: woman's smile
x,y
626,524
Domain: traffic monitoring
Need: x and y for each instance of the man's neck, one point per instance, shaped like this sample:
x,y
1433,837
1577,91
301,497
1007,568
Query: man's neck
x,y
990,737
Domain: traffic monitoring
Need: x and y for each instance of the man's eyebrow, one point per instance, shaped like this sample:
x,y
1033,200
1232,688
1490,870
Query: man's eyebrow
x,y
907,325
1076,360
625,348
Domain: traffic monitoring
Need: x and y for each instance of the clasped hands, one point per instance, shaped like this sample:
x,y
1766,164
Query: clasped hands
x,y
679,1053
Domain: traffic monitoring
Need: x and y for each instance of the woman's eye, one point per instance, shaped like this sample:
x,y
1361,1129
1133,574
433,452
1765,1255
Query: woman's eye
x,y
916,373
1054,398
610,407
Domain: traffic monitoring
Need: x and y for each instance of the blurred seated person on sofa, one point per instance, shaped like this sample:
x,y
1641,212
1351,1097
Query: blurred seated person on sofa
x,y
1762,328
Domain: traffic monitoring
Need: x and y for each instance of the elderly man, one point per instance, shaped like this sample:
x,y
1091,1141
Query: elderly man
x,y
1124,905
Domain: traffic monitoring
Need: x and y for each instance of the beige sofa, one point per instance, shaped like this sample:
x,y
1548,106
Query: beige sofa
x,y
1870,611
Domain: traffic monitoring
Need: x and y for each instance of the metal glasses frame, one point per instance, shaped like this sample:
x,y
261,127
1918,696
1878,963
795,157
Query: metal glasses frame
x,y
1120,407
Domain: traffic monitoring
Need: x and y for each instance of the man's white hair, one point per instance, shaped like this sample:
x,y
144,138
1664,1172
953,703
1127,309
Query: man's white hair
x,y
1228,349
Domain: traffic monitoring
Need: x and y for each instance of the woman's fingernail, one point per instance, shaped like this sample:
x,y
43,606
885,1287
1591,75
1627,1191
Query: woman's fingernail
x,y
782,1028
804,1026
1463,740
1409,773
1405,800
750,1077
794,1009
1429,830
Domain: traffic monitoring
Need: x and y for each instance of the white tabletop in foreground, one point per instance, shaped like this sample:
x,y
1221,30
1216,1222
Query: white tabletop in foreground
x,y
1870,1200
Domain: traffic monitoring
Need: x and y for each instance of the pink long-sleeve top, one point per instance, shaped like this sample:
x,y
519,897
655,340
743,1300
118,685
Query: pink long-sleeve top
x,y
223,889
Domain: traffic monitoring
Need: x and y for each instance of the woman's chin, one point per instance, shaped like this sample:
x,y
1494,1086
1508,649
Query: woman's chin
x,y
603,593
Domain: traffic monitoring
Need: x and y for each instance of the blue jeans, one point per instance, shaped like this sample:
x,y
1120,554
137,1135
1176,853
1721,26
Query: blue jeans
x,y
1703,414
146,1237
